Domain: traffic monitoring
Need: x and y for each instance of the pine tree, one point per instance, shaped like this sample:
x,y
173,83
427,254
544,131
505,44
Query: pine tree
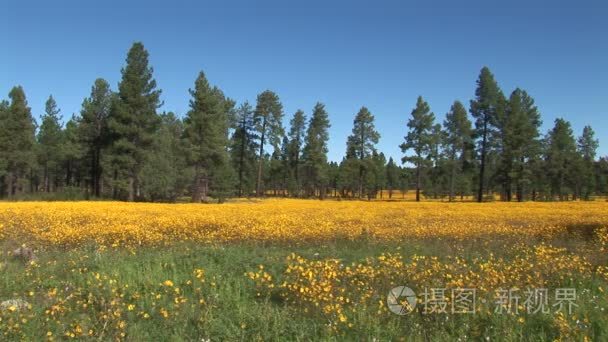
x,y
206,128
485,110
295,146
243,149
18,141
73,152
419,139
436,182
520,142
376,175
560,156
315,151
93,130
267,118
601,176
459,143
587,149
165,175
405,177
4,137
539,180
348,176
392,177
278,174
361,144
49,141
134,121
288,186
333,176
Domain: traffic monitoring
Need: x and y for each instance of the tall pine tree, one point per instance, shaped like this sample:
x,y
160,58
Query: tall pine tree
x,y
93,131
587,149
296,135
419,139
361,144
50,141
459,143
243,149
267,118
561,155
18,142
73,152
206,128
134,121
315,151
485,111
4,137
521,145
392,177
165,175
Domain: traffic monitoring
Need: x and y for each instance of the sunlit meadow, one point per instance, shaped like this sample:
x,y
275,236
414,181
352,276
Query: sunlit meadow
x,y
297,269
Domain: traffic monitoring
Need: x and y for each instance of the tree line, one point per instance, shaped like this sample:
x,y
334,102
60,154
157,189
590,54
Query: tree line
x,y
120,146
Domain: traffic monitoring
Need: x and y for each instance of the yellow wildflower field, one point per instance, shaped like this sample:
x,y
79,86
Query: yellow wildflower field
x,y
282,220
141,271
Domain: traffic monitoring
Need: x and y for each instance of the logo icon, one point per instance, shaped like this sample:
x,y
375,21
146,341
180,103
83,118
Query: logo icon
x,y
401,300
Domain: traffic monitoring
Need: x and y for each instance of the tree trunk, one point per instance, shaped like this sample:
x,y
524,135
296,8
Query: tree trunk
x,y
131,186
205,190
520,192
93,174
258,191
136,187
452,176
242,158
482,167
68,173
241,163
97,172
17,184
114,186
296,174
196,186
34,183
10,183
561,182
520,186
418,182
47,186
360,181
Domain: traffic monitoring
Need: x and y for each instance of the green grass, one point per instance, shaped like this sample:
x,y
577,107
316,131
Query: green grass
x,y
232,308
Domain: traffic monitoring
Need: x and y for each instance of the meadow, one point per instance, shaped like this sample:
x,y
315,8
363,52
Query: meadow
x,y
281,269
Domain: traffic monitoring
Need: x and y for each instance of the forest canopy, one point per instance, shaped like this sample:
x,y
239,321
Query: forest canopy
x,y
120,146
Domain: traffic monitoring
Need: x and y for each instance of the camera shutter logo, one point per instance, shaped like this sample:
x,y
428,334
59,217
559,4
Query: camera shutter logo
x,y
401,300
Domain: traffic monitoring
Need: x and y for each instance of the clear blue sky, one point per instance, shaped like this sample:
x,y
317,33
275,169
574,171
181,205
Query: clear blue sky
x,y
346,54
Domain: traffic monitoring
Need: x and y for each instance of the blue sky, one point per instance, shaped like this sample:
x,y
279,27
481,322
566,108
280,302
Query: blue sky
x,y
346,54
